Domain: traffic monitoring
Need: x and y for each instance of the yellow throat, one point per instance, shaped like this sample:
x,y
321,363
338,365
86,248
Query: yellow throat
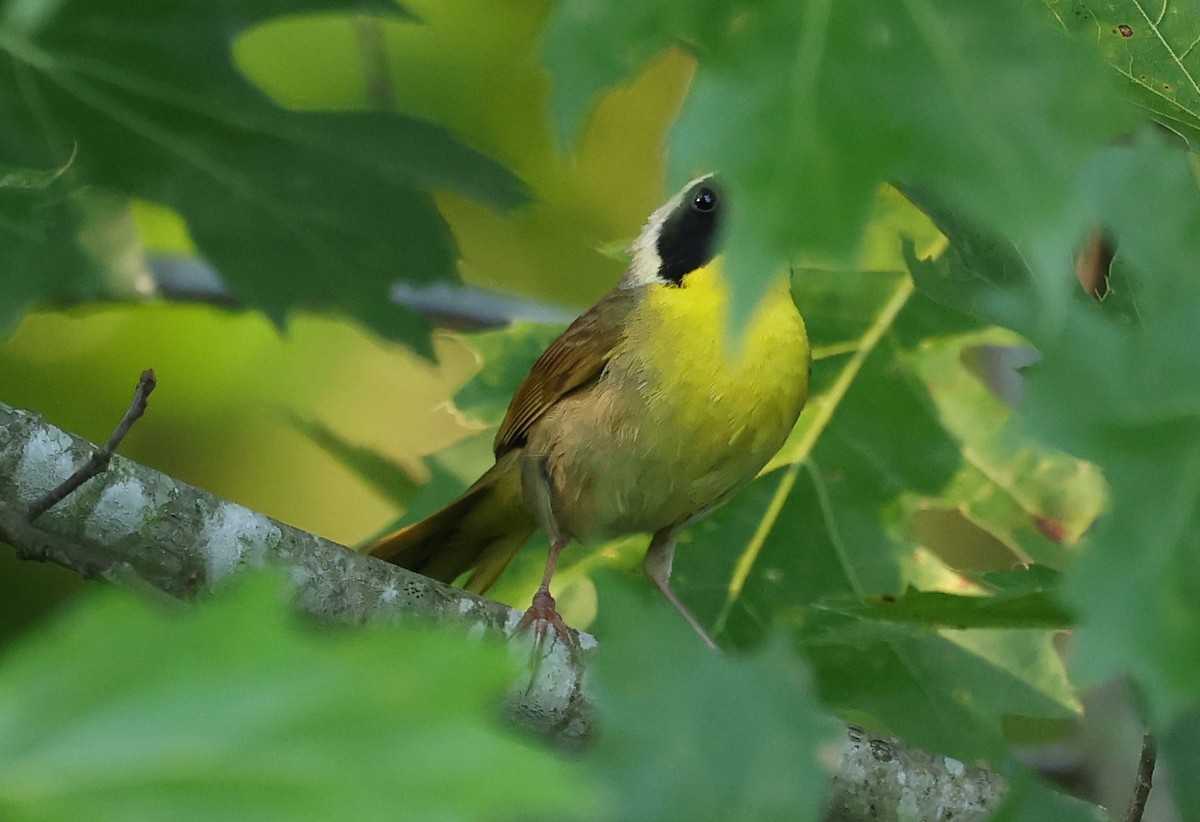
x,y
707,378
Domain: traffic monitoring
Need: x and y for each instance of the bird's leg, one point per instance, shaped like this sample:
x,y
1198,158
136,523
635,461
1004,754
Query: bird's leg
x,y
659,558
542,613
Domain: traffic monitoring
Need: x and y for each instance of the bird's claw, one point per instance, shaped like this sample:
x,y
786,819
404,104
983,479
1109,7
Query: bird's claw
x,y
542,615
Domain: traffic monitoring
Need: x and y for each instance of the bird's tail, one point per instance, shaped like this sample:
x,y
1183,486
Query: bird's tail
x,y
481,530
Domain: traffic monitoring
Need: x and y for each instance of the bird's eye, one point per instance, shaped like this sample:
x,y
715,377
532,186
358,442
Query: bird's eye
x,y
705,200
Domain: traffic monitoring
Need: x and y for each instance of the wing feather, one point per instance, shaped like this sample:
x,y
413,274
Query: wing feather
x,y
573,361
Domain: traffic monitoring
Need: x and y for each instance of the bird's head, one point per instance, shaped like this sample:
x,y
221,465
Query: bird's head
x,y
680,237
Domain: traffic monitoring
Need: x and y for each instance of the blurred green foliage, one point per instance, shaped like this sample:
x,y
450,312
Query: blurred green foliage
x,y
236,710
1033,802
934,522
743,746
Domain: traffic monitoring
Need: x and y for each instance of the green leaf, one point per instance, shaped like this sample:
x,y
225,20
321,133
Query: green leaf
x,y
1152,45
1124,395
1181,755
943,689
984,274
87,238
940,609
1030,800
886,438
1024,579
979,268
1035,501
234,710
31,178
981,102
291,207
40,251
741,746
591,46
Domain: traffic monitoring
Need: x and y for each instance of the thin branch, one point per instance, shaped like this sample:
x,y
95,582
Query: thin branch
x,y
471,308
459,307
1145,774
101,457
449,305
32,543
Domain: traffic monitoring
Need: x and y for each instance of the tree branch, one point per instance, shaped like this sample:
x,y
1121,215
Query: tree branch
x,y
98,461
1145,777
137,525
450,305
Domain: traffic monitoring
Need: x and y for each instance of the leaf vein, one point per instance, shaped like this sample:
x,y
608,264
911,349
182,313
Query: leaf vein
x,y
1157,33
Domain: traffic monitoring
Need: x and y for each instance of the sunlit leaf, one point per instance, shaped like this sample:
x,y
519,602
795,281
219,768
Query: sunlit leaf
x,y
1035,501
1123,395
946,688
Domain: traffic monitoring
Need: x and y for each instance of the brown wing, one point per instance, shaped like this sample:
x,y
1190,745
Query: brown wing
x,y
572,361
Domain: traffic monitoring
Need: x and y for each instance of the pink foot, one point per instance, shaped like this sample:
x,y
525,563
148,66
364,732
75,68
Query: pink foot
x,y
543,616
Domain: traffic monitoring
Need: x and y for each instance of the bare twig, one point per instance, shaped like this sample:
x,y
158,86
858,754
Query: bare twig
x,y
102,456
1145,774
459,307
471,308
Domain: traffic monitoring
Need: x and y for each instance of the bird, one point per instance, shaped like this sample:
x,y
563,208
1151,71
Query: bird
x,y
649,411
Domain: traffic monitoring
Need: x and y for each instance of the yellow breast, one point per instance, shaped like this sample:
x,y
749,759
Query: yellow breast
x,y
708,377
705,409
684,413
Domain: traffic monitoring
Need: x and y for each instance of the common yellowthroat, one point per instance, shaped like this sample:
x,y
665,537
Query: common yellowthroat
x,y
643,416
